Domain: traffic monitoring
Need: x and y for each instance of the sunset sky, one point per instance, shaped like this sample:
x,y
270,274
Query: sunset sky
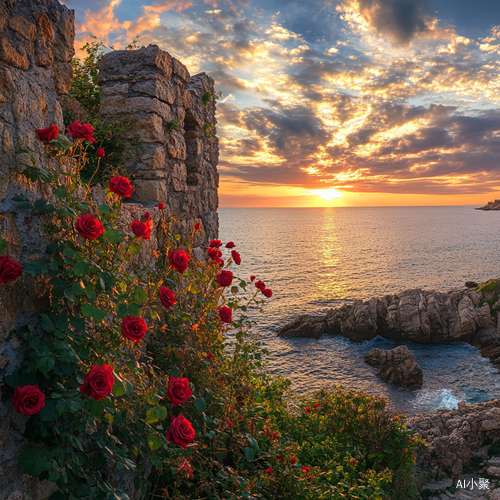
x,y
335,103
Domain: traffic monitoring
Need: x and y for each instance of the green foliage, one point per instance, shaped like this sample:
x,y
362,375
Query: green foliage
x,y
208,97
209,129
252,435
173,125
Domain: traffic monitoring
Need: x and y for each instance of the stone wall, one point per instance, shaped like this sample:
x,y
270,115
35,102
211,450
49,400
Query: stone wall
x,y
36,47
176,164
178,155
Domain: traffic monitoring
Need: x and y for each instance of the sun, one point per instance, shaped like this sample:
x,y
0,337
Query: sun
x,y
327,194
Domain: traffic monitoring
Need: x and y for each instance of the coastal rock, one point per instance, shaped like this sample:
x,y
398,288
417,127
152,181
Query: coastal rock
x,y
398,366
416,315
455,437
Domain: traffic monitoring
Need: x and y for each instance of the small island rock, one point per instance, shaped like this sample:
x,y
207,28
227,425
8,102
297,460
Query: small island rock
x,y
398,366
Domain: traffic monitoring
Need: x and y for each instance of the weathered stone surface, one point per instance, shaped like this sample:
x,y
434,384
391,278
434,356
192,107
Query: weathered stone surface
x,y
417,315
397,366
455,437
177,160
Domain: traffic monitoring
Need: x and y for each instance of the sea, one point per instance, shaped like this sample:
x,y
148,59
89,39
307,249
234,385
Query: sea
x,y
315,259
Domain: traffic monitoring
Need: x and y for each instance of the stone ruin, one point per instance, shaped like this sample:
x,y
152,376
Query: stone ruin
x,y
176,164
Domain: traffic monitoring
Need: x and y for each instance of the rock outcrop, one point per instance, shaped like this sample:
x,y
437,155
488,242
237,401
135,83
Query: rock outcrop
x,y
397,366
491,205
455,437
421,316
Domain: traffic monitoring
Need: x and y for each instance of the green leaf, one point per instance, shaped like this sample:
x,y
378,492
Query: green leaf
x,y
81,268
60,193
128,388
135,248
161,412
154,442
234,289
46,323
24,205
200,404
69,294
111,235
103,208
77,288
78,323
151,416
42,206
69,252
54,476
3,244
109,418
140,295
118,389
249,454
135,309
48,412
87,310
34,461
96,407
45,364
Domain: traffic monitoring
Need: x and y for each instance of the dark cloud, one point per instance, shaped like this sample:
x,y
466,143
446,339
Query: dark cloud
x,y
402,20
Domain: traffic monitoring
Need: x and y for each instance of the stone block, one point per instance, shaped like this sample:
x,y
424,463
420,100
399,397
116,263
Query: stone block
x,y
115,89
176,145
119,105
150,190
153,157
11,56
23,27
149,129
159,87
63,77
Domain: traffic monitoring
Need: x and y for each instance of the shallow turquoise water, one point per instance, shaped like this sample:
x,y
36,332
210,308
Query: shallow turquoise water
x,y
315,259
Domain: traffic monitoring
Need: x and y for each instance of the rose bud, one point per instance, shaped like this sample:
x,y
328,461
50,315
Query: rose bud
x,y
181,431
121,186
252,277
230,245
260,285
47,134
210,355
215,243
167,297
98,383
9,269
267,292
270,471
134,328
28,399
236,257
81,131
89,227
141,229
306,469
197,226
178,390
100,153
225,314
214,253
224,278
161,205
179,260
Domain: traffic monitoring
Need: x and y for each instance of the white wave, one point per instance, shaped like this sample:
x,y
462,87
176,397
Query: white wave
x,y
434,399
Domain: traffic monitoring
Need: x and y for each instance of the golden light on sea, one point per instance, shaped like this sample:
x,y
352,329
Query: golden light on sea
x,y
327,194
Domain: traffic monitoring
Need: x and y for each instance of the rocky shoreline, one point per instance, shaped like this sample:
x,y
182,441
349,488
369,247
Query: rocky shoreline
x,y
491,205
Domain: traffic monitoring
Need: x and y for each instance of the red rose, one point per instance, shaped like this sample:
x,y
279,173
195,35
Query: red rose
x,y
100,153
28,399
214,253
252,277
267,292
161,205
197,226
178,390
121,186
167,297
81,131
210,355
89,227
9,269
260,285
293,460
281,457
306,469
224,278
134,328
230,245
141,229
270,471
308,408
92,139
236,257
98,383
181,431
229,423
215,243
179,260
225,314
47,134
316,405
